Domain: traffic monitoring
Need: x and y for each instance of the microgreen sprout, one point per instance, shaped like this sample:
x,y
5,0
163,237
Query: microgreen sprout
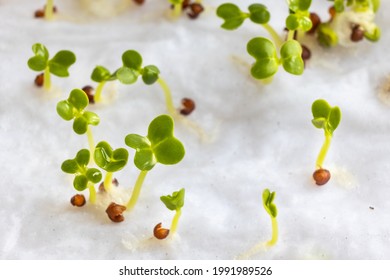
x,y
58,65
178,6
49,9
84,177
270,207
110,160
327,118
173,202
73,109
159,146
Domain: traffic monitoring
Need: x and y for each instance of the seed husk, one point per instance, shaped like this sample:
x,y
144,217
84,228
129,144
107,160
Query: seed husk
x,y
90,91
316,21
196,10
357,33
321,176
188,106
78,200
159,232
114,212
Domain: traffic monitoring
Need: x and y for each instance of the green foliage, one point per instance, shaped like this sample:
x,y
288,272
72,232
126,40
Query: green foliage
x,y
73,109
291,58
101,74
325,117
175,201
373,36
109,159
83,174
58,65
159,145
268,203
299,17
326,36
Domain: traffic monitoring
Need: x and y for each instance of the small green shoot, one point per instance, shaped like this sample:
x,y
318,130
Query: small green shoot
x,y
174,202
49,9
270,207
110,160
299,18
84,177
73,109
177,7
57,66
159,146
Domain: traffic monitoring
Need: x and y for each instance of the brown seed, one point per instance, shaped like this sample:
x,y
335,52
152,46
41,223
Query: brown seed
x,y
114,212
78,200
332,12
315,19
159,232
114,182
357,34
90,93
306,53
188,106
39,80
39,13
139,2
321,176
196,10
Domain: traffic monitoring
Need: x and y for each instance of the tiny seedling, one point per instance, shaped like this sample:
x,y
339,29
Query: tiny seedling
x,y
73,109
177,7
327,118
195,8
49,9
84,177
159,146
270,207
110,160
57,66
173,202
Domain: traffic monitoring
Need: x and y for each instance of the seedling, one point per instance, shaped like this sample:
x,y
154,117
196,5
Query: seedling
x,y
49,9
57,66
270,207
129,73
159,146
264,50
84,177
178,6
173,202
73,109
110,160
327,118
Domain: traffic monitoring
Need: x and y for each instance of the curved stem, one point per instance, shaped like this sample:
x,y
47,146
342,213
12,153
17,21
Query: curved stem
x,y
290,35
108,181
47,79
49,10
168,96
274,238
92,193
91,144
273,34
136,191
177,10
324,150
99,90
175,221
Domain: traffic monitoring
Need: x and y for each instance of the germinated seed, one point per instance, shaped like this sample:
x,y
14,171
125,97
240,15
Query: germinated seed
x,y
188,106
159,232
39,80
114,212
357,34
196,10
321,176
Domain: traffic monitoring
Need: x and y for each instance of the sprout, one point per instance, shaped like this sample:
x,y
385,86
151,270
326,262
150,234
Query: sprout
x,y
299,18
177,7
49,9
58,65
327,118
110,160
84,177
159,146
173,202
73,109
270,207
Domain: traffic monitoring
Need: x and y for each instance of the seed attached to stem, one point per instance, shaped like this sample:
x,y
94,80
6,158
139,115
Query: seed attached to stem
x,y
357,34
315,19
188,106
306,53
39,14
159,232
114,212
39,80
332,12
78,200
139,2
114,182
196,10
90,91
321,176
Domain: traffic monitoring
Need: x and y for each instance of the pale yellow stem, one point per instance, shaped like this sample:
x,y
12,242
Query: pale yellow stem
x,y
91,144
175,221
108,182
275,234
168,96
275,36
136,191
92,193
49,10
47,79
99,90
324,150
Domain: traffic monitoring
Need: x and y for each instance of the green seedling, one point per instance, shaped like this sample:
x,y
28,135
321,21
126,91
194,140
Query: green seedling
x,y
110,160
327,118
159,146
270,207
57,66
129,73
73,109
173,202
84,177
177,7
299,17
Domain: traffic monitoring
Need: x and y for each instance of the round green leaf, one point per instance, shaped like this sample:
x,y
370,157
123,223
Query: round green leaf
x,y
150,74
326,36
291,57
126,75
267,62
137,142
65,110
80,125
100,74
60,63
169,151
334,118
320,109
37,63
299,5
144,159
79,99
80,182
108,159
292,22
160,128
91,117
82,157
175,201
41,51
70,166
374,36
232,15
258,13
94,175
132,59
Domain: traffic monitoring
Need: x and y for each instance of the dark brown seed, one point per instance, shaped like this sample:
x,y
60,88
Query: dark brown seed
x,y
159,232
188,106
315,19
332,12
196,10
139,2
357,34
114,212
39,80
321,176
114,182
39,13
78,200
306,53
90,93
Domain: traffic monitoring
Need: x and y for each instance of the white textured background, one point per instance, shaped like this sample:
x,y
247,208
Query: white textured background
x,y
259,137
